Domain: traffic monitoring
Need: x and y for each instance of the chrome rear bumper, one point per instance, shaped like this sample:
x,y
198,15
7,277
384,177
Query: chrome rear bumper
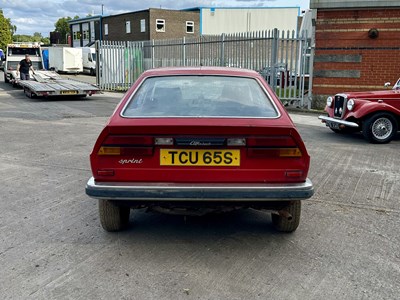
x,y
198,192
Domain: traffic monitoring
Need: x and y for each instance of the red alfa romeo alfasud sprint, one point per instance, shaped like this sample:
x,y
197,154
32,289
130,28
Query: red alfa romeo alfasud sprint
x,y
198,140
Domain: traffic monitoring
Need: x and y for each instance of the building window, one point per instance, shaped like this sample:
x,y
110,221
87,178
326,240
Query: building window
x,y
160,25
105,29
143,25
128,26
86,34
189,27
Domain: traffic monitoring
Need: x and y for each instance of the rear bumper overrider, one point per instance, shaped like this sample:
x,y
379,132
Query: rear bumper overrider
x,y
199,192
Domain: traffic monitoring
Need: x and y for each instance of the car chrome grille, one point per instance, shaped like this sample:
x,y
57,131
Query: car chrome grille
x,y
339,106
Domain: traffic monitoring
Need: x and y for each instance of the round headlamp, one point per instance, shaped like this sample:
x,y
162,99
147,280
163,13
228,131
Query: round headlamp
x,y
350,104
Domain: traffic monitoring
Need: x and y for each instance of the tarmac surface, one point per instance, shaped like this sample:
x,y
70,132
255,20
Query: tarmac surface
x,y
52,245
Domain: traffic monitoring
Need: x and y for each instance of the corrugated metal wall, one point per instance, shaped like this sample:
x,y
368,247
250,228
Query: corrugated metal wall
x,y
232,20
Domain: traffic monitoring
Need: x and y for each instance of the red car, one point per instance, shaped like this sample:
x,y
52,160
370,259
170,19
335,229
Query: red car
x,y
376,114
198,140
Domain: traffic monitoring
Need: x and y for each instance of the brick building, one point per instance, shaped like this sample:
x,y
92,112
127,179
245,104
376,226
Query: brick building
x,y
357,45
142,25
151,24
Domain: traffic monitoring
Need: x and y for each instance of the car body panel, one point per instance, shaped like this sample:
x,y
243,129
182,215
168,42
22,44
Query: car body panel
x,y
137,171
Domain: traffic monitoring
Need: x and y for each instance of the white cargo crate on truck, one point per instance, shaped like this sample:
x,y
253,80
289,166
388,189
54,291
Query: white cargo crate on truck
x,y
49,83
65,60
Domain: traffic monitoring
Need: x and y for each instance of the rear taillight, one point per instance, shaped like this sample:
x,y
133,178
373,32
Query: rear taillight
x,y
275,146
127,145
143,151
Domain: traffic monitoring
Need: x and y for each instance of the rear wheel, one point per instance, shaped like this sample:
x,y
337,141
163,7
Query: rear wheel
x,y
112,216
289,219
380,128
28,93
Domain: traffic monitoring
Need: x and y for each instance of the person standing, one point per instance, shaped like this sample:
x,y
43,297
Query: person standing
x,y
24,66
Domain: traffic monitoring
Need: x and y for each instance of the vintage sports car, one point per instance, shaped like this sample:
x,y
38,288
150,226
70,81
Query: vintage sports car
x,y
198,140
376,114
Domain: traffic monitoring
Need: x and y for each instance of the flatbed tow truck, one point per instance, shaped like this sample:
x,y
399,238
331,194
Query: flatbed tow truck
x,y
50,84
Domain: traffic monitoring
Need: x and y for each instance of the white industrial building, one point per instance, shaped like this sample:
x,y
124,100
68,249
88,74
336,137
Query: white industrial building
x,y
216,20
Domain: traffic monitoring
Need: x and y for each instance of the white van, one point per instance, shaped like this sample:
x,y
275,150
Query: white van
x,y
89,60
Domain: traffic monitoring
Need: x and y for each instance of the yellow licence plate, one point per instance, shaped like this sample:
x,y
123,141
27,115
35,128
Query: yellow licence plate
x,y
199,157
69,92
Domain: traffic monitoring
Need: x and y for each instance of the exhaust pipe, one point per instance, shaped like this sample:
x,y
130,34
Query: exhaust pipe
x,y
285,214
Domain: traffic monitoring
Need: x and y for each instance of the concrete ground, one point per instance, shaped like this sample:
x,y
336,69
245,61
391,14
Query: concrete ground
x,y
52,246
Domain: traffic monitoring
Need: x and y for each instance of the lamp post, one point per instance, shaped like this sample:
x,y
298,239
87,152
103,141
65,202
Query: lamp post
x,y
102,6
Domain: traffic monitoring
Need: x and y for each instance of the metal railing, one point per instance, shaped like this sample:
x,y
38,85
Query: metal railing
x,y
281,57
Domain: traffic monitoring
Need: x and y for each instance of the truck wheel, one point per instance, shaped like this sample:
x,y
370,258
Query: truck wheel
x,y
28,93
379,128
288,223
92,72
112,216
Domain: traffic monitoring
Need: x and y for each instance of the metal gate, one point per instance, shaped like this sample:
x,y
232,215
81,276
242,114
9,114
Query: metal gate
x,y
281,57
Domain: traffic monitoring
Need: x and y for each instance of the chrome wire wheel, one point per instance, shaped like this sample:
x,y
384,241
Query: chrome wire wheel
x,y
382,128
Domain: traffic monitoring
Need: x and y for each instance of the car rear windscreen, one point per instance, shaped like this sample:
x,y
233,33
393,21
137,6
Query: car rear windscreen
x,y
200,96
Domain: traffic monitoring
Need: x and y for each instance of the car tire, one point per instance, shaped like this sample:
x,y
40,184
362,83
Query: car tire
x,y
285,224
6,79
112,216
380,128
28,93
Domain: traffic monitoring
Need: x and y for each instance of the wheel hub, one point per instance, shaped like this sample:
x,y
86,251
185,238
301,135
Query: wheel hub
x,y
382,128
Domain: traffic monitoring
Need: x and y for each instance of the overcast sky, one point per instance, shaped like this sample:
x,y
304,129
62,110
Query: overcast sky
x,y
40,15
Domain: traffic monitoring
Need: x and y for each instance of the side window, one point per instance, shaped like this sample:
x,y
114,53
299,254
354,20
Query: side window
x,y
160,25
189,27
143,25
105,29
128,26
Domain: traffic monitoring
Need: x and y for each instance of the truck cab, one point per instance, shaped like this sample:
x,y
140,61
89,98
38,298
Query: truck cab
x,y
15,53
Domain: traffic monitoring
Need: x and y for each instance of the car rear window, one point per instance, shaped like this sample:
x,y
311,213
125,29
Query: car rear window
x,y
200,96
